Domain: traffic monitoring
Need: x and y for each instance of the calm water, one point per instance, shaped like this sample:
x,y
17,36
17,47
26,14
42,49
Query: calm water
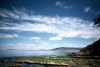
x,y
31,53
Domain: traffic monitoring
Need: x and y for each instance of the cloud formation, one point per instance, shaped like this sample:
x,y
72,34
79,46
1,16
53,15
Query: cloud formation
x,y
63,5
31,46
87,9
60,27
60,4
8,35
35,38
32,38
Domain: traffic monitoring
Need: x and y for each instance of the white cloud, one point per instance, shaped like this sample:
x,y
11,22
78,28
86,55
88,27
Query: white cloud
x,y
32,38
67,6
35,38
7,13
27,27
70,45
61,27
44,43
87,9
62,4
8,35
55,38
25,46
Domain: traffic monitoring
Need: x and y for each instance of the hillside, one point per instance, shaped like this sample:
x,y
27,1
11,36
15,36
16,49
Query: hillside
x,y
66,48
93,49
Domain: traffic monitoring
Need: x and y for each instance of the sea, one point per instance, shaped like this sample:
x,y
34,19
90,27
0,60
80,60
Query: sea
x,y
32,53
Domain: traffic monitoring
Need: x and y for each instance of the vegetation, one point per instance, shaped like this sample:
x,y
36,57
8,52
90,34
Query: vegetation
x,y
71,62
47,60
79,62
12,65
60,60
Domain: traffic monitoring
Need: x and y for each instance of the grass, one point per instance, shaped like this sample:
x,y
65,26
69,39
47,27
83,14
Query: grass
x,y
50,60
80,62
12,65
72,62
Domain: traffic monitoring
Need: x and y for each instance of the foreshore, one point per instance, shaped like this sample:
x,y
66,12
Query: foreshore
x,y
54,61
45,61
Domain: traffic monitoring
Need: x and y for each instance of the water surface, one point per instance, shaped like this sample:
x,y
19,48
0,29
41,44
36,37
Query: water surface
x,y
30,53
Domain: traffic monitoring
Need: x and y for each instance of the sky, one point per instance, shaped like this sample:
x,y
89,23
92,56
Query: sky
x,y
48,24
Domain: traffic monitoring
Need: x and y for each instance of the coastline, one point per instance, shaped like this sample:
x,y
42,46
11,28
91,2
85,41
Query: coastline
x,y
47,61
54,61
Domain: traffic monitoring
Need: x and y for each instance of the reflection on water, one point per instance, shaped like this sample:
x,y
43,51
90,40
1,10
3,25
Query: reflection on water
x,y
31,53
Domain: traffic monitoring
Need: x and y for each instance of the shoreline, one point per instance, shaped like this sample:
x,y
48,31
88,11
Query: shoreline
x,y
35,63
54,61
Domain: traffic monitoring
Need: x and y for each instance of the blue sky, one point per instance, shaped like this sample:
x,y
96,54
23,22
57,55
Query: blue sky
x,y
47,24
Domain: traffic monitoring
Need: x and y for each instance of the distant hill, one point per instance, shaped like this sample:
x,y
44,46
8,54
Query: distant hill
x,y
93,49
66,48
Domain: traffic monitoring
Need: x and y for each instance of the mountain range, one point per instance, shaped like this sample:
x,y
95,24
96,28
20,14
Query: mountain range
x,y
66,48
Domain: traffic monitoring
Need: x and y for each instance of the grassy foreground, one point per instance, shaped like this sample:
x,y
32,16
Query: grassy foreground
x,y
47,60
77,62
60,60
